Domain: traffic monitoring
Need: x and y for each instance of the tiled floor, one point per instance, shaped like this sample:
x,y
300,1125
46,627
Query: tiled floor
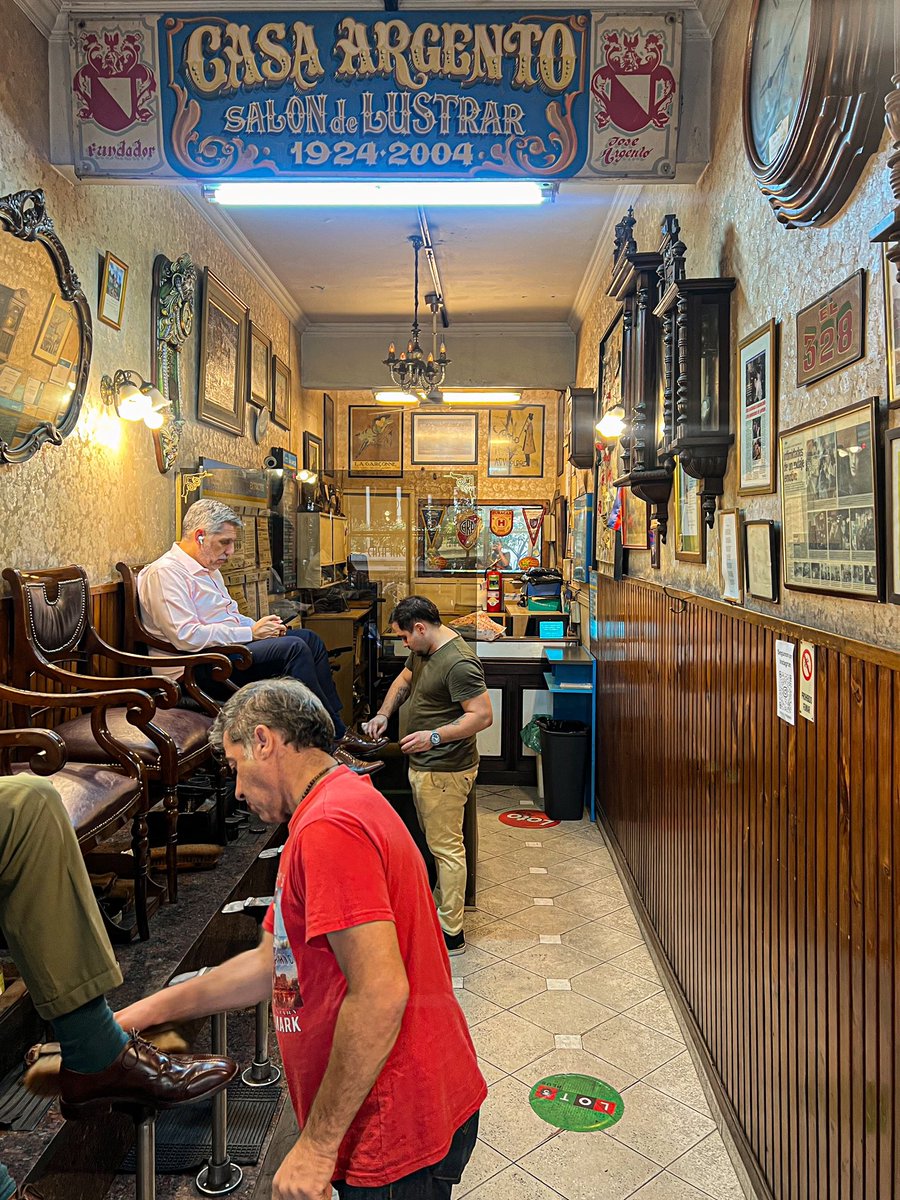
x,y
555,978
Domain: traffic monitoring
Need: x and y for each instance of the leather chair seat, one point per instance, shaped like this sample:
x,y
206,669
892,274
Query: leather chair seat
x,y
93,797
188,730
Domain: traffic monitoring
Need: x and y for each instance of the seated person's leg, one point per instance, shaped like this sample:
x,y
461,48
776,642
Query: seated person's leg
x,y
322,666
291,655
53,929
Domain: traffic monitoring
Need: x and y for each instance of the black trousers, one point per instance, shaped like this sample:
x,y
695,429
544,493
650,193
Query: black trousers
x,y
431,1183
300,654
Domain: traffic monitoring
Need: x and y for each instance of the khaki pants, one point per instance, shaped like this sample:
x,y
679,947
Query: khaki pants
x,y
48,913
440,800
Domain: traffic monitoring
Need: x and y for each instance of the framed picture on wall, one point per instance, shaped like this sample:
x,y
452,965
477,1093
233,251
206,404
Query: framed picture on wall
x,y
757,408
54,331
312,453
761,559
892,326
831,331
449,438
281,393
690,528
516,442
260,368
635,521
113,281
327,434
375,441
730,577
224,330
892,477
829,504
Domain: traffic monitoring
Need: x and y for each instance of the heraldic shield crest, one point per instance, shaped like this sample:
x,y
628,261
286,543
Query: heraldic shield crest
x,y
632,89
114,87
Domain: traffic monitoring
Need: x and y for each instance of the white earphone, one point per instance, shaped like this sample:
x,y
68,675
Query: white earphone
x,y
200,538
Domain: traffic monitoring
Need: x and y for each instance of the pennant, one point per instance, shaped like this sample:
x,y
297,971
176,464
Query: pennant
x,y
432,516
534,519
501,521
614,520
468,527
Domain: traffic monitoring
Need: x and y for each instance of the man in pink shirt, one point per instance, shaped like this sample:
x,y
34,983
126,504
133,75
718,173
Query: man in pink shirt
x,y
377,1054
184,601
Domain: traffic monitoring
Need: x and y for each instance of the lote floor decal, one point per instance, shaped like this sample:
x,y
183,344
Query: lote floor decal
x,y
577,1103
527,818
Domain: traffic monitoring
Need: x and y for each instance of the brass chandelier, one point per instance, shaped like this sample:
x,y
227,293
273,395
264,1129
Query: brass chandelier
x,y
411,371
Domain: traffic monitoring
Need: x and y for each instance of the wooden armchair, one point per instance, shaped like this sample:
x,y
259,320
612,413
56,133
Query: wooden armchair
x,y
52,625
99,799
138,639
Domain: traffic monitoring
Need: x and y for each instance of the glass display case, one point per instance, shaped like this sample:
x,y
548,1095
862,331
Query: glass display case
x,y
466,539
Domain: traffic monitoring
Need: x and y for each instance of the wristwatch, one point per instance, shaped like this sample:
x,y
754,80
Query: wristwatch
x,y
435,738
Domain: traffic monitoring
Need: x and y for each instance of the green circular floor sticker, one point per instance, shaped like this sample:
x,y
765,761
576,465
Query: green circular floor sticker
x,y
576,1102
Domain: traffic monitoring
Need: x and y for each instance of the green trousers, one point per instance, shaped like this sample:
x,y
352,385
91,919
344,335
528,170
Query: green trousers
x,y
48,913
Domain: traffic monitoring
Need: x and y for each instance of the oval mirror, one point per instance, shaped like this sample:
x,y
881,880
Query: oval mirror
x,y
45,331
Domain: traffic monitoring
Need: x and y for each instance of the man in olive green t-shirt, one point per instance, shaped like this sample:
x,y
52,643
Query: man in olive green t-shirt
x,y
445,705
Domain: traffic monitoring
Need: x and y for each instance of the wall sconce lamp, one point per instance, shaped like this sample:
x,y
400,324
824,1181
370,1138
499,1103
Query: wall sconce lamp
x,y
133,398
611,426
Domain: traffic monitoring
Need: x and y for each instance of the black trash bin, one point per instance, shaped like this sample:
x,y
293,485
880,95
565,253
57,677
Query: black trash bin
x,y
564,754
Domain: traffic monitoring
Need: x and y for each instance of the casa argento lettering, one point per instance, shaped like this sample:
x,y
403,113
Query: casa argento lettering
x,y
223,59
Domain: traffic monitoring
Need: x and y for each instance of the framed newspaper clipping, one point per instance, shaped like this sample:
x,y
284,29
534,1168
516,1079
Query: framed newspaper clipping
x,y
829,502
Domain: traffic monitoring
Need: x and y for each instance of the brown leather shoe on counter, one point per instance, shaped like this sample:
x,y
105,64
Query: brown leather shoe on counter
x,y
355,764
358,743
143,1075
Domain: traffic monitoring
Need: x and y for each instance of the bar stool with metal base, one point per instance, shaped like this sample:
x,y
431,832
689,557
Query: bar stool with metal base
x,y
220,1175
262,1072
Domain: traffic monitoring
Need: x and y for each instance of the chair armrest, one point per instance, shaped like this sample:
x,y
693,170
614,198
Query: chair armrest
x,y
49,749
220,666
168,692
139,712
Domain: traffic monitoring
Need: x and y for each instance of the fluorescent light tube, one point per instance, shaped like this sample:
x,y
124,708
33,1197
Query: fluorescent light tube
x,y
485,397
395,398
398,193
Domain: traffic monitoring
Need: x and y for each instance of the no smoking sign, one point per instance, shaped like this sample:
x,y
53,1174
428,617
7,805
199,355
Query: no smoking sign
x,y
808,681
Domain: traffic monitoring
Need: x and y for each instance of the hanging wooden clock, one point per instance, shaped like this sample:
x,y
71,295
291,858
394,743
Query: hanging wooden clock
x,y
815,72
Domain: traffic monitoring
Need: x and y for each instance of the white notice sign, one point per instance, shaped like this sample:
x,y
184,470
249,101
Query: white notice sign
x,y
808,681
785,684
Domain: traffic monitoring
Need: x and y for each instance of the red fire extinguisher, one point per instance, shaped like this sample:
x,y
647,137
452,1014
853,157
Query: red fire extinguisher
x,y
493,591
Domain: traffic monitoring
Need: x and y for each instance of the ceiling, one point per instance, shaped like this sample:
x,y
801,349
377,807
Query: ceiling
x,y
340,266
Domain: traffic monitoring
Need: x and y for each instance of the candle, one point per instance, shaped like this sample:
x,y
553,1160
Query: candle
x,y
399,509
368,508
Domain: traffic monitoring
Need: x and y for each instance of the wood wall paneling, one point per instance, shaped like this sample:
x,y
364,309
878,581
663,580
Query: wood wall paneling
x,y
765,857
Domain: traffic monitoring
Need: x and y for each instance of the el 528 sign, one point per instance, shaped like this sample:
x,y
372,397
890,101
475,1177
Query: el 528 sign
x,y
293,94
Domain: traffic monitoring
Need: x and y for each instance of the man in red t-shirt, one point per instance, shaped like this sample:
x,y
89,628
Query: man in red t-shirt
x,y
377,1054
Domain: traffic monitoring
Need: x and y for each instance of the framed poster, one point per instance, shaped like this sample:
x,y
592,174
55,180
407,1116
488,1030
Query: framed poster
x,y
690,528
758,402
54,330
327,434
444,438
831,331
281,393
516,442
561,445
891,326
761,559
635,521
828,473
260,368
113,282
224,331
892,477
730,582
312,453
375,441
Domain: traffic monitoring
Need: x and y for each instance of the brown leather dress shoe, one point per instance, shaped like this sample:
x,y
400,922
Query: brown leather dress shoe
x,y
339,754
143,1075
358,743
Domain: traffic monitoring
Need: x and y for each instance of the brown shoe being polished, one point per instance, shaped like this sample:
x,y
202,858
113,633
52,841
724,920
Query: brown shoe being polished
x,y
143,1075
358,743
357,765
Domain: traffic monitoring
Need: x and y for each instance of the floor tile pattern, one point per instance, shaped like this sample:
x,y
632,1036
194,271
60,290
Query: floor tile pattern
x,y
568,985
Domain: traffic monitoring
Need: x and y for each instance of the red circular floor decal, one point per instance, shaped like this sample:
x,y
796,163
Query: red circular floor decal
x,y
526,818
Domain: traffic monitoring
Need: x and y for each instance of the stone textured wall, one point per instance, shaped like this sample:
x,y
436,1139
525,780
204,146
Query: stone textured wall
x,y
729,229
99,497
